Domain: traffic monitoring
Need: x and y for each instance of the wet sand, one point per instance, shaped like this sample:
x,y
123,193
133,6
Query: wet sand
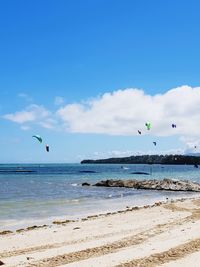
x,y
164,234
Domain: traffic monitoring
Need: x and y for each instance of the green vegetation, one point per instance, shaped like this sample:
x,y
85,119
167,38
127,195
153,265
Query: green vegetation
x,y
149,159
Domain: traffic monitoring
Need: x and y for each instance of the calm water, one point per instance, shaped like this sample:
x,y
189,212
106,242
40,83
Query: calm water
x,y
54,190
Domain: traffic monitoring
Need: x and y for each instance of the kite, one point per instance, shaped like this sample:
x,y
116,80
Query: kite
x,y
154,143
148,125
39,138
173,125
139,132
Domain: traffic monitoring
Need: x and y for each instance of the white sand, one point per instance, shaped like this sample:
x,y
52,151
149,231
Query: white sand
x,y
188,261
167,235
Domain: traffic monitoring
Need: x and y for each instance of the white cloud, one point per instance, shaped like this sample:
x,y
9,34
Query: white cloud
x,y
25,96
48,123
25,127
192,144
30,114
58,100
113,153
20,117
123,112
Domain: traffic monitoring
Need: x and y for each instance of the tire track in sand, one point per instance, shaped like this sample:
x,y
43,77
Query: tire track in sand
x,y
172,254
121,244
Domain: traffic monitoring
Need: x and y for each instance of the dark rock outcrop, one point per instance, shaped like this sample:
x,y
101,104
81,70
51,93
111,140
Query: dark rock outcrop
x,y
85,171
145,173
85,184
165,184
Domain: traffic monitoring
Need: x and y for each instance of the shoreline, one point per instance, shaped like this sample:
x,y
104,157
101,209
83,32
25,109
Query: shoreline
x,y
164,234
110,205
62,220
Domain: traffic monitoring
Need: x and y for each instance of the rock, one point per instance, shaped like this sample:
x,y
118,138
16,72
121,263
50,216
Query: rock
x,y
62,222
2,263
20,230
5,232
145,173
85,184
165,184
88,171
116,183
29,258
32,227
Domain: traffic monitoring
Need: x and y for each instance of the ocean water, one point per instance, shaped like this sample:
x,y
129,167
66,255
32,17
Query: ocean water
x,y
54,191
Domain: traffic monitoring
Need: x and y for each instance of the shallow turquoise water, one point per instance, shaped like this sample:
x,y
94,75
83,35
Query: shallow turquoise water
x,y
54,190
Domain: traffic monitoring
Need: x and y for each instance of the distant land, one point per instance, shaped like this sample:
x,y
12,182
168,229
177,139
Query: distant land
x,y
149,159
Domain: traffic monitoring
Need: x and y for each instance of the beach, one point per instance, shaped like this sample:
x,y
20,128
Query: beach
x,y
100,133
164,234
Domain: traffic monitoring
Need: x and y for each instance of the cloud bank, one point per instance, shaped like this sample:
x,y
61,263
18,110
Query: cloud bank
x,y
122,112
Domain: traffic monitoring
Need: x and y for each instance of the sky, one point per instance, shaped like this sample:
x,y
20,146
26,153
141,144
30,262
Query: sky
x,y
87,75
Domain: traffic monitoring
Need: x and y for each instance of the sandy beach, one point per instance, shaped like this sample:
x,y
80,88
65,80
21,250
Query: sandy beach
x,y
165,234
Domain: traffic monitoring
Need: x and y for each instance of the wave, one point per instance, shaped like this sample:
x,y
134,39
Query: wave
x,y
74,184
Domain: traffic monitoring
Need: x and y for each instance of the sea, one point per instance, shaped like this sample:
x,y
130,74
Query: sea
x,y
37,194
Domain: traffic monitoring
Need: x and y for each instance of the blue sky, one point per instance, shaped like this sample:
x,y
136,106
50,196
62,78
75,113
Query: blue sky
x,y
63,59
